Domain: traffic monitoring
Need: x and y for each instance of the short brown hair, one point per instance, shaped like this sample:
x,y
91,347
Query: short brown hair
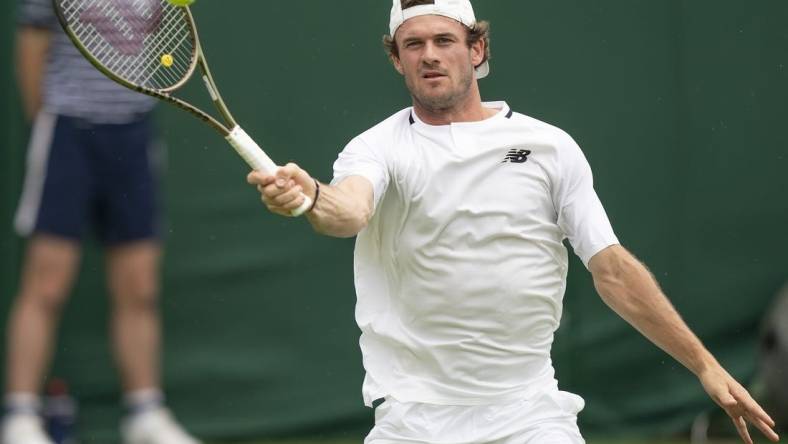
x,y
479,31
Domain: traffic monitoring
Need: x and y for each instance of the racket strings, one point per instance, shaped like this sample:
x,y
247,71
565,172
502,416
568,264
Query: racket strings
x,y
149,43
173,37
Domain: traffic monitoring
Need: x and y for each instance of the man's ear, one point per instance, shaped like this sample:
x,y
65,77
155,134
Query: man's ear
x,y
397,63
478,50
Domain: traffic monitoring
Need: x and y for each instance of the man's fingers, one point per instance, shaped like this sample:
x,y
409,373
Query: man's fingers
x,y
259,178
270,191
757,417
277,209
287,197
294,204
739,405
270,194
755,414
766,429
285,173
726,399
738,414
754,409
281,192
741,427
281,200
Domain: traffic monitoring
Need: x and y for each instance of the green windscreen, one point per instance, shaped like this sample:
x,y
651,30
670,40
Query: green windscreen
x,y
678,105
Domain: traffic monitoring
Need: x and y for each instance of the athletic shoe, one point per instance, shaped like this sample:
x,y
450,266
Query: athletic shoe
x,y
154,427
23,429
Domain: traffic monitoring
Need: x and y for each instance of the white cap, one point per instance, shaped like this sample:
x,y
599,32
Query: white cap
x,y
460,10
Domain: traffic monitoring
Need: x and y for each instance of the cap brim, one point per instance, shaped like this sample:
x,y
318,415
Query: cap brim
x,y
483,70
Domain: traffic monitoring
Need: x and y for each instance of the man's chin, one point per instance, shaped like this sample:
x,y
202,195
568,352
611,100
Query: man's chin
x,y
434,101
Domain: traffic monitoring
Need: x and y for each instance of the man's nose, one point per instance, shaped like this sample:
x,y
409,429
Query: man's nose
x,y
430,54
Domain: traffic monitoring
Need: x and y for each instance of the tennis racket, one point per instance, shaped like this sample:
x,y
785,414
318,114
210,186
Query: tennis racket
x,y
152,47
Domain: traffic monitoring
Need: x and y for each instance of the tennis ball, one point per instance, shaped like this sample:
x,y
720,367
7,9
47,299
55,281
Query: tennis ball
x,y
180,2
167,60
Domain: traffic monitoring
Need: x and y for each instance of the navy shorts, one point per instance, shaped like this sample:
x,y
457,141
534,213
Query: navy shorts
x,y
82,175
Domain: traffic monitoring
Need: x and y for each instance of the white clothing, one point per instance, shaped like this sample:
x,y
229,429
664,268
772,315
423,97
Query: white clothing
x,y
550,418
460,274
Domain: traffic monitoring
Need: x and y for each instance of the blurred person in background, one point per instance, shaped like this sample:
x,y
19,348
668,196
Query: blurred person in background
x,y
89,166
461,208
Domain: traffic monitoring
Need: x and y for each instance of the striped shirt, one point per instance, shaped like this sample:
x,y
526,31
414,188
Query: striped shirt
x,y
72,86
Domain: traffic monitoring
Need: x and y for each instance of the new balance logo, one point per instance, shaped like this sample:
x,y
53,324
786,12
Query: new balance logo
x,y
516,156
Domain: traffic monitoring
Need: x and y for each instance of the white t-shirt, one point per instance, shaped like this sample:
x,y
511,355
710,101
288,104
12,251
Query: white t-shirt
x,y
460,274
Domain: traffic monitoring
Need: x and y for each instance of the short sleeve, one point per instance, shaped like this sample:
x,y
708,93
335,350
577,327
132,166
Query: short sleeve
x,y
37,13
581,215
359,159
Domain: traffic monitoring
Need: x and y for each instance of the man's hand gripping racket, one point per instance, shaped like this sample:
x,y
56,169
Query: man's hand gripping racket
x,y
152,47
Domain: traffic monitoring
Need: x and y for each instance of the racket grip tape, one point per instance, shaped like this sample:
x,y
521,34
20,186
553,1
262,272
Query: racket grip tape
x,y
248,149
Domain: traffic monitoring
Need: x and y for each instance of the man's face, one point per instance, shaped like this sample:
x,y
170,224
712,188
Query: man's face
x,y
436,61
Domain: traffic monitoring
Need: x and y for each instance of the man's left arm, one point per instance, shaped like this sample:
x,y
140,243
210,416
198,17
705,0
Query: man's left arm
x,y
627,287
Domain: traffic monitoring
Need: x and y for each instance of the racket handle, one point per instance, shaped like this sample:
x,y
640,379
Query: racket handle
x,y
248,149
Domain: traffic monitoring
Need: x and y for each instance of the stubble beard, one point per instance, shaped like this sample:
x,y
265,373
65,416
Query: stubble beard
x,y
443,102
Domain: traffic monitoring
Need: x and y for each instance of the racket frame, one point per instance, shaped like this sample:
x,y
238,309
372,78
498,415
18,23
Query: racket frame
x,y
197,59
246,147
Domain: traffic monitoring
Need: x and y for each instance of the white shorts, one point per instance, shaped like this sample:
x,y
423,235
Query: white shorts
x,y
547,418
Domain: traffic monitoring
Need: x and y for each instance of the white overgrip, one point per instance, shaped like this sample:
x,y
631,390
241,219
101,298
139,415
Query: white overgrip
x,y
248,149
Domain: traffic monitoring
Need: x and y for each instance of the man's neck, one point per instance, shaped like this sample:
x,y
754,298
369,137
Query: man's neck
x,y
469,110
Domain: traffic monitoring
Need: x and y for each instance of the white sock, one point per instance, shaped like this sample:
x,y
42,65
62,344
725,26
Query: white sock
x,y
140,401
22,403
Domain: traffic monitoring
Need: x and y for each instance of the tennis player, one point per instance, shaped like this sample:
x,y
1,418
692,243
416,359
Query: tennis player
x,y
90,165
461,208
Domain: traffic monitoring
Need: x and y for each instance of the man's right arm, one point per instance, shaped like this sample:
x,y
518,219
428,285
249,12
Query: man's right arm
x,y
340,210
32,46
343,210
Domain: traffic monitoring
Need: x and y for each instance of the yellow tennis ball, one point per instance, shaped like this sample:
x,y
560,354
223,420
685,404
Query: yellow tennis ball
x,y
167,60
180,2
